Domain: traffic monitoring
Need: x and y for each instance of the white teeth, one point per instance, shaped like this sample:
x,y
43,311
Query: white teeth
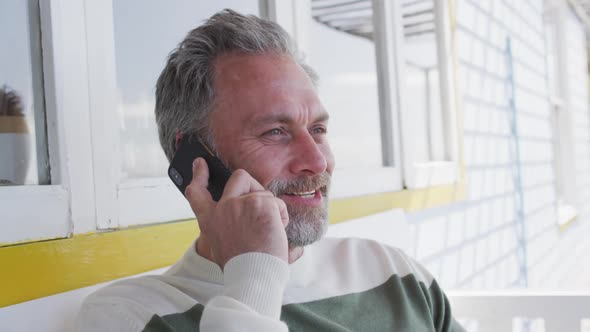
x,y
307,193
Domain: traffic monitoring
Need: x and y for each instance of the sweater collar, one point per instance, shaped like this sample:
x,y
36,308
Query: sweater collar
x,y
194,266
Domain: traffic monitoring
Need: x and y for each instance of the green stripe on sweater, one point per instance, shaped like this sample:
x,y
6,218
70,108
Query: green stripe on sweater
x,y
399,304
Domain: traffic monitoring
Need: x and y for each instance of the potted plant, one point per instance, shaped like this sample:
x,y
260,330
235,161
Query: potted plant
x,y
14,138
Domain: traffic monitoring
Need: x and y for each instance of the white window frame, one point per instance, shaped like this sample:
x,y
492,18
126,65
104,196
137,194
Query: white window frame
x,y
38,212
419,174
556,13
119,202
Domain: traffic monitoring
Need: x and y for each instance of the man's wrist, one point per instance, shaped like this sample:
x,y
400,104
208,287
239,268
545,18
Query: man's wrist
x,y
258,280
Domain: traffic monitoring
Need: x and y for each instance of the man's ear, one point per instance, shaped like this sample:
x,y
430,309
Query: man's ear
x,y
177,139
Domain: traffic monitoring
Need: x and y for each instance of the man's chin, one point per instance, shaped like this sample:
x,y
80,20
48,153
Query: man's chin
x,y
306,226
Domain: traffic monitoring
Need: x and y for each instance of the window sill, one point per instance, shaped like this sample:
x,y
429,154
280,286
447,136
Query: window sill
x,y
408,200
566,215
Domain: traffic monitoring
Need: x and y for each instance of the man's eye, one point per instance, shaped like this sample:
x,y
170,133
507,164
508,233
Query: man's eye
x,y
319,130
274,132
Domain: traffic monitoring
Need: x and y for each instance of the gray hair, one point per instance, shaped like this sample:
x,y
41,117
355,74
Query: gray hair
x,y
185,92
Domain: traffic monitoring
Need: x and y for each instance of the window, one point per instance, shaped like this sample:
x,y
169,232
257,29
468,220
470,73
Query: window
x,y
427,98
85,108
355,92
138,65
427,94
128,52
387,78
558,83
42,176
23,144
348,85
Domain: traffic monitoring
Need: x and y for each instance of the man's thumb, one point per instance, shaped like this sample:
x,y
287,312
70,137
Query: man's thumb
x,y
196,192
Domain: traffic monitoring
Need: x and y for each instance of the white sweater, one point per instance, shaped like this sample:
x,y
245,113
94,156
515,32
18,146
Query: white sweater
x,y
337,285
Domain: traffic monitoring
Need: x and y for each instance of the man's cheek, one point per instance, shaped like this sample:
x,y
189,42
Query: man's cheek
x,y
262,173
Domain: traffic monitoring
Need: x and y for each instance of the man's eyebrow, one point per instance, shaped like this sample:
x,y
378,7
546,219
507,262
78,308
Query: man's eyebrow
x,y
282,118
324,117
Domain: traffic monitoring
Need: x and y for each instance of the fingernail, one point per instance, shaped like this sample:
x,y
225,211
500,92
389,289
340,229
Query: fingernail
x,y
195,163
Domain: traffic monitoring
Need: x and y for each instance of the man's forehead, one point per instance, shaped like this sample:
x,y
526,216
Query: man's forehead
x,y
284,116
264,87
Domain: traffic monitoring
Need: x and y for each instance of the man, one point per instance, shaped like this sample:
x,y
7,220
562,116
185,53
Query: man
x,y
257,265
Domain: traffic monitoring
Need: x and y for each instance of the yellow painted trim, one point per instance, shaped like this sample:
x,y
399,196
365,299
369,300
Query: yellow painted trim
x,y
409,200
40,269
34,270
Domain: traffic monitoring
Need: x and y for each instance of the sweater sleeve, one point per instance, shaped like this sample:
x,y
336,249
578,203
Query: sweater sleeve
x,y
441,310
98,317
252,297
438,303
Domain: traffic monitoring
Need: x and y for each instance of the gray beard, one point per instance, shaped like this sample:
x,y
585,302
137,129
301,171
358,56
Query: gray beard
x,y
306,224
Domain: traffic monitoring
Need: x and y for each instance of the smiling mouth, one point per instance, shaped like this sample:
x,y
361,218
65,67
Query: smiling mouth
x,y
309,194
304,194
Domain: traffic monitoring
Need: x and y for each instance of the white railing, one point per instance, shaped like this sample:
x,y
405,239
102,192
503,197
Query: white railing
x,y
496,311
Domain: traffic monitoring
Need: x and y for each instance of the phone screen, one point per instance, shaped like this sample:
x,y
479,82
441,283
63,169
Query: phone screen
x,y
181,168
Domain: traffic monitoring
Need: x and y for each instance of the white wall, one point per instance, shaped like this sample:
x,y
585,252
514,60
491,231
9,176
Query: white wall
x,y
475,244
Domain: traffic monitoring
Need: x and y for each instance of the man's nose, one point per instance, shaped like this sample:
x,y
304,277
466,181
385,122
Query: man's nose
x,y
308,157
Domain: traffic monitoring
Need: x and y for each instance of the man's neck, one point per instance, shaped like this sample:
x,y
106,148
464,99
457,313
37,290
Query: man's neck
x,y
204,250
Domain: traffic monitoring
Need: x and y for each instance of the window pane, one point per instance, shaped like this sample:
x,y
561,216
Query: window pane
x,y
422,88
23,148
342,51
141,48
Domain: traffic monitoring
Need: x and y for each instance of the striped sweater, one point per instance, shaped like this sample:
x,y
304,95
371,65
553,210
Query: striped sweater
x,y
337,285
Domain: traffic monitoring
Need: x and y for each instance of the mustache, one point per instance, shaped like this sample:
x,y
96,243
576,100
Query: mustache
x,y
301,184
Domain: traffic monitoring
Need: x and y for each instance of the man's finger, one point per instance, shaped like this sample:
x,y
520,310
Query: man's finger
x,y
201,172
241,183
283,211
196,192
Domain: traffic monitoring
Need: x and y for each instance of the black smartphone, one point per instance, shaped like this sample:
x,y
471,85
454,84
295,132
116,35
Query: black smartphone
x,y
180,171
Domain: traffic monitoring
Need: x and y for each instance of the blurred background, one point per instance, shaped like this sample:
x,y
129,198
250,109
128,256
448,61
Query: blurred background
x,y
460,130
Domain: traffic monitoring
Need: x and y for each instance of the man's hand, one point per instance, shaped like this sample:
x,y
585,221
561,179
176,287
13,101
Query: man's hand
x,y
247,218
